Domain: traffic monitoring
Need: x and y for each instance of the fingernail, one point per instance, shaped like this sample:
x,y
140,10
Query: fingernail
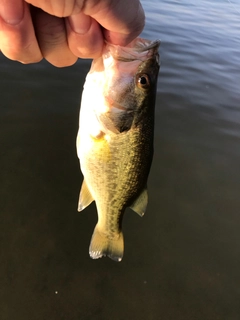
x,y
80,23
12,11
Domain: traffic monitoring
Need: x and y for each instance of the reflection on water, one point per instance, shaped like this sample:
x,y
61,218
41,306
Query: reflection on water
x,y
182,259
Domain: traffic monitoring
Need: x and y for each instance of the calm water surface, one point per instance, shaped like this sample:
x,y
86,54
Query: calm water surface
x,y
182,259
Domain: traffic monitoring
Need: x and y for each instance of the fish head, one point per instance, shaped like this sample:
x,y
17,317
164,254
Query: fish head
x,y
123,84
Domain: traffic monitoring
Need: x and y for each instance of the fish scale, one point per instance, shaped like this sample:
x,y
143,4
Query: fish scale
x,y
115,139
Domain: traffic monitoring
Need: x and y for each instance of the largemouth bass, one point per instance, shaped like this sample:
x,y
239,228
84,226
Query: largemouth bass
x,y
115,138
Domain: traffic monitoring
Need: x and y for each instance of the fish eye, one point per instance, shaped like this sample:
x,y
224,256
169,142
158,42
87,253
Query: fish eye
x,y
143,81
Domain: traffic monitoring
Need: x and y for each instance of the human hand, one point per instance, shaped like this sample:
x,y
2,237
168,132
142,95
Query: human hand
x,y
61,31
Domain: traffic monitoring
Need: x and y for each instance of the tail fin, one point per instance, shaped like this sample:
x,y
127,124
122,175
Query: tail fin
x,y
101,246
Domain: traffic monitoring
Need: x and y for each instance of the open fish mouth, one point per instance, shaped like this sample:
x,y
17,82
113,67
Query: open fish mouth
x,y
142,45
138,49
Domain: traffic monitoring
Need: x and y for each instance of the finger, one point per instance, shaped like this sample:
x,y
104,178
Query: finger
x,y
59,8
85,38
52,39
122,20
17,36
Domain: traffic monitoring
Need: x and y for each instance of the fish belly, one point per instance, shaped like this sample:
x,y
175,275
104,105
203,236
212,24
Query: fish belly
x,y
115,169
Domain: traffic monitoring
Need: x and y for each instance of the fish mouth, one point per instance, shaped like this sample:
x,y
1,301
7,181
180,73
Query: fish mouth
x,y
139,49
142,45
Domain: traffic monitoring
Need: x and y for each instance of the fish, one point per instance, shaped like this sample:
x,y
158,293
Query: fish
x,y
115,138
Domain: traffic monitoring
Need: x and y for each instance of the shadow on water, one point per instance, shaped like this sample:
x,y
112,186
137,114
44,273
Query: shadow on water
x,y
182,258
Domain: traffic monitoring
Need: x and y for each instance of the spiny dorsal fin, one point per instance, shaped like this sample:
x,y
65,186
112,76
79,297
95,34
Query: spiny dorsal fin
x,y
85,197
140,204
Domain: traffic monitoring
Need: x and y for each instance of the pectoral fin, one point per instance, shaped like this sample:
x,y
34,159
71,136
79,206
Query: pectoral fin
x,y
85,197
140,204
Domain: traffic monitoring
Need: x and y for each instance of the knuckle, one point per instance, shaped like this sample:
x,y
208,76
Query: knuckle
x,y
50,30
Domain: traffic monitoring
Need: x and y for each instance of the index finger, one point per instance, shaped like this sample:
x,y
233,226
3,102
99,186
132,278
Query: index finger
x,y
118,24
122,21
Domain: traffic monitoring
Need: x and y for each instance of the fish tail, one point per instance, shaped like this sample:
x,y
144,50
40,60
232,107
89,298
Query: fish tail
x,y
102,246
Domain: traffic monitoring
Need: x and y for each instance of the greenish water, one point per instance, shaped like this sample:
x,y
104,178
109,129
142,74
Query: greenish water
x,y
182,259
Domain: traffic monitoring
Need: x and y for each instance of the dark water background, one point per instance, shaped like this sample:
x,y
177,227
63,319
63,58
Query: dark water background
x,y
182,259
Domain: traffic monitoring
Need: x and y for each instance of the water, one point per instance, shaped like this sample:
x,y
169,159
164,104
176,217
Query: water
x,y
182,258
